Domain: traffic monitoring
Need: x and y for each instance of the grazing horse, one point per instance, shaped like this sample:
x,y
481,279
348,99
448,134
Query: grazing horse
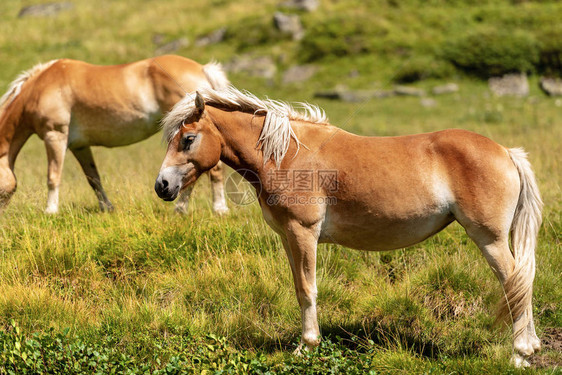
x,y
75,105
317,183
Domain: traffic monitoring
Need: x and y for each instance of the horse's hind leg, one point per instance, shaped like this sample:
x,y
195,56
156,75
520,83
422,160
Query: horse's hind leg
x,y
217,185
7,182
533,338
55,143
86,160
498,254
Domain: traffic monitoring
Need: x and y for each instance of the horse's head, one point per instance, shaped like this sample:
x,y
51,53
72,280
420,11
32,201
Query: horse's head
x,y
195,148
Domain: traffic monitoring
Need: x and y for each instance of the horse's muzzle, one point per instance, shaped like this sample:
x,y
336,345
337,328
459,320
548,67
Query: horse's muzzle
x,y
164,190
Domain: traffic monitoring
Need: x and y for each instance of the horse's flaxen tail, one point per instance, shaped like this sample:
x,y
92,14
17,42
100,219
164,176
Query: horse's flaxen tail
x,y
524,230
215,75
16,85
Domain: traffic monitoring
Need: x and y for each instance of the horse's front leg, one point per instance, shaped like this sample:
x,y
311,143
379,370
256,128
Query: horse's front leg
x,y
216,175
300,244
55,143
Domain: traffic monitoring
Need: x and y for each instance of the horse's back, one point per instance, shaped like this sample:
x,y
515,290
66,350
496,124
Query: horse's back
x,y
107,85
113,105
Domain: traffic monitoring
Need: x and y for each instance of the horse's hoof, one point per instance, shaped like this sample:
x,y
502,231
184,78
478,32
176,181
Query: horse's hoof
x,y
106,208
519,362
52,210
535,343
523,345
311,340
220,209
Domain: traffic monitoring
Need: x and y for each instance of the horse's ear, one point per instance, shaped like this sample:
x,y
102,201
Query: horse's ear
x,y
199,102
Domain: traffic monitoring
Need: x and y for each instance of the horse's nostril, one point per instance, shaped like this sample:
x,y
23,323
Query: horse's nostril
x,y
164,184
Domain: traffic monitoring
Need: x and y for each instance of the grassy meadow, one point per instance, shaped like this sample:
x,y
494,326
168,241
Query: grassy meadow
x,y
144,290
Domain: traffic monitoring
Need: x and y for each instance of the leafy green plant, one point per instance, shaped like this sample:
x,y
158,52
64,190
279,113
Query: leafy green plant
x,y
422,67
550,41
490,51
340,35
254,31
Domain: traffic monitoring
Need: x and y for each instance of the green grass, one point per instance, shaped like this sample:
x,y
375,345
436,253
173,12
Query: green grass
x,y
143,289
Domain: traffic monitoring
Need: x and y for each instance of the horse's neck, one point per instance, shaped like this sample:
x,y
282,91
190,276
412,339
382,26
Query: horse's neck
x,y
13,131
240,132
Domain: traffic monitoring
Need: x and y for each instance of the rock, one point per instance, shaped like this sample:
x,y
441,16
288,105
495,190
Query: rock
x,y
428,102
329,94
551,86
172,46
289,24
382,93
262,66
214,37
306,5
299,73
448,88
354,73
357,96
408,91
158,38
44,10
509,84
353,96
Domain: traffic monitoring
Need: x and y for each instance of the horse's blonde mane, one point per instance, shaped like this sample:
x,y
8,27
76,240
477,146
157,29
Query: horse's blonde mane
x,y
16,85
277,131
215,75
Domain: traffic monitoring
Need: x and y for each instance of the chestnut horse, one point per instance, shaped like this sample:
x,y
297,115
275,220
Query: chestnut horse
x,y
320,184
75,105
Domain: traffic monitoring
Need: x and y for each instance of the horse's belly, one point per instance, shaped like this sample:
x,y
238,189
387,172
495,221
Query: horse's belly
x,y
379,233
111,132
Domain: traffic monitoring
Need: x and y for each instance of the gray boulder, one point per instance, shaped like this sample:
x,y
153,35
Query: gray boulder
x,y
289,24
353,96
299,73
510,85
408,91
306,5
214,37
551,86
158,39
262,66
448,88
172,46
44,10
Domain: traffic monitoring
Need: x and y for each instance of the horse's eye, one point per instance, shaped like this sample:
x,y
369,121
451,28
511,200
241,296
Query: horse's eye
x,y
187,141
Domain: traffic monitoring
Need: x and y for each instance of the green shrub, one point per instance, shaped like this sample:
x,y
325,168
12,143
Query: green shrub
x,y
489,51
550,41
254,31
423,67
340,35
